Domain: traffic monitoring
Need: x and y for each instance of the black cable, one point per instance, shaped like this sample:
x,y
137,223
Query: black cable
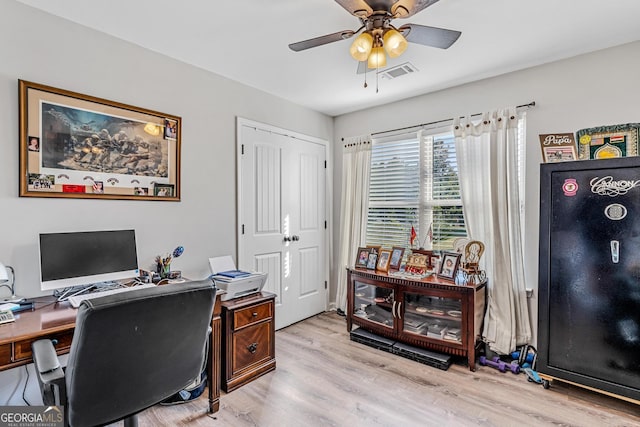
x,y
24,390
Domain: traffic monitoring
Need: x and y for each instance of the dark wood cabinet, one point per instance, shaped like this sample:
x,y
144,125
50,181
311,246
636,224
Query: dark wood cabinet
x,y
248,348
430,313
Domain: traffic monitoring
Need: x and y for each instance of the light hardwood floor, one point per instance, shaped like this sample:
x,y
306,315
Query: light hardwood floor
x,y
324,379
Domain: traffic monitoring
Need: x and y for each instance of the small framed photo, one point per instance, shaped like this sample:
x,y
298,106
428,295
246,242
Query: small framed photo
x,y
383,260
141,191
362,258
449,265
34,144
372,260
170,129
98,187
396,258
163,190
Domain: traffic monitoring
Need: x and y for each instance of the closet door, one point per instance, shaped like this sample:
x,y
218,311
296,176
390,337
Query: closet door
x,y
282,219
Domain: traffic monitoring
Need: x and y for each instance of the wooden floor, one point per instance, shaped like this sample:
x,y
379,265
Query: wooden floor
x,y
324,379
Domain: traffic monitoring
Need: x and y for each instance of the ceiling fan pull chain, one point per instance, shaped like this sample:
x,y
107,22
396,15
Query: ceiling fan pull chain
x,y
365,78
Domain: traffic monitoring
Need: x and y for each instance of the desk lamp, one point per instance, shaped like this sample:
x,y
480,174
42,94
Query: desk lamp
x,y
4,278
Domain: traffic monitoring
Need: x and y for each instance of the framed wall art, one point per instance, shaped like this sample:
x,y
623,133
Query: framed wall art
x,y
80,146
607,142
449,265
558,147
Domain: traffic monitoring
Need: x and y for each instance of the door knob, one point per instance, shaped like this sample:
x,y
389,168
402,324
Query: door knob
x,y
295,238
287,239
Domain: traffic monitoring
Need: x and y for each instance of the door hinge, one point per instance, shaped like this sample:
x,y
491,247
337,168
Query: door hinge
x,y
325,225
325,284
242,148
325,164
242,228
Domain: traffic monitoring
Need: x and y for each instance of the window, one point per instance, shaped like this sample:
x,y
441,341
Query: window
x,y
414,182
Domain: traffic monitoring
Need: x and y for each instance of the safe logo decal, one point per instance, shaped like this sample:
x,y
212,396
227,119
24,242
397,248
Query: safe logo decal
x,y
570,187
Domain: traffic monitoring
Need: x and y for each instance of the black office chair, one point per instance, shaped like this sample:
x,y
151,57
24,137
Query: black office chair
x,y
129,351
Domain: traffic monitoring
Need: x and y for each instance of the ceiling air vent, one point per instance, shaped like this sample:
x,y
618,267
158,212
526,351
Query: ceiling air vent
x,y
399,71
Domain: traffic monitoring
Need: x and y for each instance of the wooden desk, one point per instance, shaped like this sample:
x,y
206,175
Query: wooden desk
x,y
57,321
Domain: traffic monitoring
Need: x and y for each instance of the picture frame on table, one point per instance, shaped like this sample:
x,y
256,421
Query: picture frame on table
x,y
372,261
396,258
449,265
80,146
362,257
416,263
384,257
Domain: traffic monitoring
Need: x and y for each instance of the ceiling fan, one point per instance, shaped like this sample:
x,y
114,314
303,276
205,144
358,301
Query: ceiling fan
x,y
378,37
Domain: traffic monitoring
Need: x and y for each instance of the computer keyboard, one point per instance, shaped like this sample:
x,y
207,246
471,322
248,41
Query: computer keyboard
x,y
75,300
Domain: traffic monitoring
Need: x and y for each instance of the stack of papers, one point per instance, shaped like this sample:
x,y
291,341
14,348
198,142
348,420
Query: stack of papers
x,y
9,306
231,275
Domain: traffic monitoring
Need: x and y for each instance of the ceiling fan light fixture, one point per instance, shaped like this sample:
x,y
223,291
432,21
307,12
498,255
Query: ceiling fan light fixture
x,y
361,47
377,58
394,43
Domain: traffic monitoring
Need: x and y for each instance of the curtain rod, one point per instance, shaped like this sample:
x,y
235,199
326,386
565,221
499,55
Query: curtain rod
x,y
529,105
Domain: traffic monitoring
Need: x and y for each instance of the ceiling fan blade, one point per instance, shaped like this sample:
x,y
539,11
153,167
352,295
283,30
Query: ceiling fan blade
x,y
407,8
358,8
429,36
319,41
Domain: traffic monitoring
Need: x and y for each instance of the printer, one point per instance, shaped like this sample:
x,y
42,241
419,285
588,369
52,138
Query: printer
x,y
236,283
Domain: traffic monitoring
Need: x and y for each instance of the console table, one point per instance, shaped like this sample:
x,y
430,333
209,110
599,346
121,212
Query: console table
x,y
430,313
57,321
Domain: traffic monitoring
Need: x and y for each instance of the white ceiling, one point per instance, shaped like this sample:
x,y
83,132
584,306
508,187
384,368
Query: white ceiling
x,y
247,41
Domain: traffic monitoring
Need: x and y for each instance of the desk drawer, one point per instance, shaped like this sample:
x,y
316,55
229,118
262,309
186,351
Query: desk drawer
x,y
5,354
252,314
22,349
251,346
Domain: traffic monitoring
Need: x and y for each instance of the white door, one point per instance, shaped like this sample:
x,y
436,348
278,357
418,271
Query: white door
x,y
281,209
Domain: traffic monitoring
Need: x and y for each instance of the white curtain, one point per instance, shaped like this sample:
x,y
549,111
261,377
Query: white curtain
x,y
356,166
487,154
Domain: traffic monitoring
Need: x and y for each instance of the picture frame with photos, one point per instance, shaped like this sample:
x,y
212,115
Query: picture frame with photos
x,y
362,257
449,265
397,253
372,261
384,257
87,147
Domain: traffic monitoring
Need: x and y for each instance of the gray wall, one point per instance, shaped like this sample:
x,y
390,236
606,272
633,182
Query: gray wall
x,y
45,49
599,88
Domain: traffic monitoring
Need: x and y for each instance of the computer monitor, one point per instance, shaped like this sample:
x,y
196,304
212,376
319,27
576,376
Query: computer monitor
x,y
85,258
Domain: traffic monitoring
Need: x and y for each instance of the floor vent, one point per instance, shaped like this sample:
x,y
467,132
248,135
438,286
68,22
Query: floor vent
x,y
399,71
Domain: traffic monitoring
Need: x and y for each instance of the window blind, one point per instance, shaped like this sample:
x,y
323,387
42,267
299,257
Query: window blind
x,y
394,190
414,183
